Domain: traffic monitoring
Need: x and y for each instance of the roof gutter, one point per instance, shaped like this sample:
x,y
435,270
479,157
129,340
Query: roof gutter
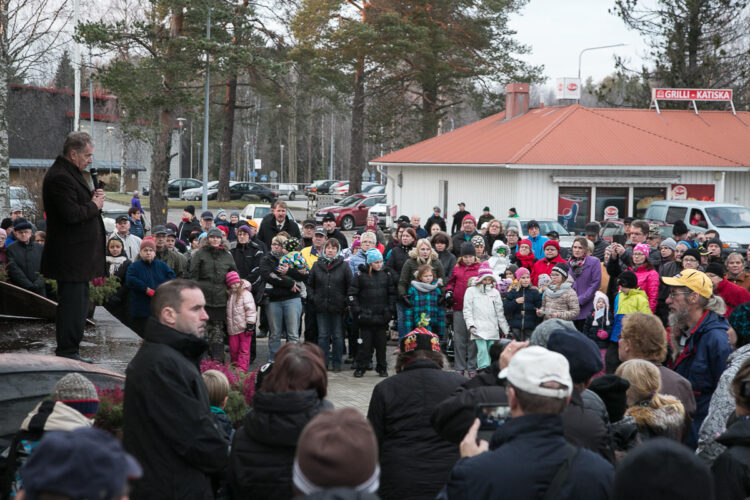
x,y
516,166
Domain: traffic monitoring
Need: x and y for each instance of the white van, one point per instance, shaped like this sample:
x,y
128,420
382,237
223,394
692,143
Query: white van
x,y
731,221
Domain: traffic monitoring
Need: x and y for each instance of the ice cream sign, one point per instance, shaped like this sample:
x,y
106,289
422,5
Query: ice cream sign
x,y
692,94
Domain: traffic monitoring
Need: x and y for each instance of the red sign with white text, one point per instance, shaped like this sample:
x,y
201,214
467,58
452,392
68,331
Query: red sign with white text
x,y
698,192
692,94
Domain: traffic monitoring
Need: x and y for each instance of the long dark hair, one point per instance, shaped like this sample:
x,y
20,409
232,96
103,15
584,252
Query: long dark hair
x,y
298,367
405,357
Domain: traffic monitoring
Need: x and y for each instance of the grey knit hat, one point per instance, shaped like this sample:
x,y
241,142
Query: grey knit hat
x,y
669,243
72,387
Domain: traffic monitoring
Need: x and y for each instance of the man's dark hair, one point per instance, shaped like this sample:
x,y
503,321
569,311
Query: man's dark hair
x,y
532,403
642,225
133,210
76,141
403,358
711,231
278,203
743,374
169,294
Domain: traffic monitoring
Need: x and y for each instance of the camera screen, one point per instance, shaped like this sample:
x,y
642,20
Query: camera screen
x,y
493,415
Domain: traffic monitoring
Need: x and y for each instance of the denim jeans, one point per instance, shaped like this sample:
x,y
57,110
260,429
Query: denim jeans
x,y
401,318
331,331
283,316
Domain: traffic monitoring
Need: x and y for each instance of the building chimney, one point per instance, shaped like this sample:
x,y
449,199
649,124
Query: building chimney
x,y
516,99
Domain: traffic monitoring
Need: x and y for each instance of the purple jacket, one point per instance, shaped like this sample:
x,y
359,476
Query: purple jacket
x,y
587,284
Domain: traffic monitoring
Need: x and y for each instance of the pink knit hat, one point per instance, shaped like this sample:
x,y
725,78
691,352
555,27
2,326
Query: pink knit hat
x,y
484,271
232,278
521,271
643,248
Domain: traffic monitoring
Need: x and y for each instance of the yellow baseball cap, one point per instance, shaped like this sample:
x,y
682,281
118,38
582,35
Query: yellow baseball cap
x,y
694,280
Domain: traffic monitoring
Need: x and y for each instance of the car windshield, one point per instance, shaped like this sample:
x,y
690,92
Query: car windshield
x,y
17,192
350,201
261,212
213,184
729,216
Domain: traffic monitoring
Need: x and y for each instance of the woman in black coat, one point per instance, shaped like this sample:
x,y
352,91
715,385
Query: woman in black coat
x,y
329,281
263,449
372,299
415,462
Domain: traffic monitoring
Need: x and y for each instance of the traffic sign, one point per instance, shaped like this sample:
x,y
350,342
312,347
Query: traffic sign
x,y
274,174
257,165
263,178
253,174
231,174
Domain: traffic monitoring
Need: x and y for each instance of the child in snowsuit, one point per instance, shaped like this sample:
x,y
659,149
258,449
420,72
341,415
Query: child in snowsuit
x,y
241,317
484,314
521,304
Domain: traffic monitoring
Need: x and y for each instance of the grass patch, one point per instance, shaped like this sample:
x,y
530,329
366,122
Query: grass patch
x,y
124,198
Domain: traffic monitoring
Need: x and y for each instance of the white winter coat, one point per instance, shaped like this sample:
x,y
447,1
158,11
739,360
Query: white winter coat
x,y
483,309
497,263
240,311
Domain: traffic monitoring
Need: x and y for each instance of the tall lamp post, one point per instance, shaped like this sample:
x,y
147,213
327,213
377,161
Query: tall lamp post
x,y
247,160
111,129
180,125
595,48
281,170
204,201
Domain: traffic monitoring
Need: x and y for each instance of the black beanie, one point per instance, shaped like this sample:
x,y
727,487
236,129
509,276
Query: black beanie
x,y
627,279
661,468
679,228
190,209
611,389
693,252
716,268
468,249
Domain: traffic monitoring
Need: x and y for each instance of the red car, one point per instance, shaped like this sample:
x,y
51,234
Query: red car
x,y
351,212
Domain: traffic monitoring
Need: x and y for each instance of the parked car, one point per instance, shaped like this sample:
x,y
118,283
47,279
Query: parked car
x,y
257,212
320,187
373,189
352,211
614,230
288,190
545,226
250,191
20,196
341,190
173,187
197,193
731,221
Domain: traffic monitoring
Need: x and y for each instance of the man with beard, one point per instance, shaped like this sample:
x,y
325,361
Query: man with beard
x,y
699,333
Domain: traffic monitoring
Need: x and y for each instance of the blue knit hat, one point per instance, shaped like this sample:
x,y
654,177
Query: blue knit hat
x,y
373,255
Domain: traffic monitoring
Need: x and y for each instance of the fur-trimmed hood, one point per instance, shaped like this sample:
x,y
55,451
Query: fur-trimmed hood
x,y
666,421
414,254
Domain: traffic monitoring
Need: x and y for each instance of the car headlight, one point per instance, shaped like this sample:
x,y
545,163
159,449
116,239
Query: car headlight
x,y
336,214
731,244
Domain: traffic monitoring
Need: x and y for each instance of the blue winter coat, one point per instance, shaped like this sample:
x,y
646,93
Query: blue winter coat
x,y
140,276
537,245
702,362
523,316
531,449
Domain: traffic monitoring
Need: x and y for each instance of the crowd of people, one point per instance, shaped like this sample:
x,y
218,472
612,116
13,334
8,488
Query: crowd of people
x,y
607,357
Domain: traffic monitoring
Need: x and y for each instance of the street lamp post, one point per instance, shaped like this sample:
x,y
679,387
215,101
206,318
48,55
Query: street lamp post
x,y
281,169
247,160
111,129
595,48
180,124
204,202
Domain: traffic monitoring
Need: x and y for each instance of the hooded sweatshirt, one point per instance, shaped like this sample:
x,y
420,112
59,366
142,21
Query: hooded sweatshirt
x,y
483,309
598,325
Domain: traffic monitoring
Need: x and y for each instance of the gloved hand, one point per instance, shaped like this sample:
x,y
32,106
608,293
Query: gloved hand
x,y
448,299
473,330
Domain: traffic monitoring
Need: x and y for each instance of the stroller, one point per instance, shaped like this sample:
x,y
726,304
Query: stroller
x,y
446,344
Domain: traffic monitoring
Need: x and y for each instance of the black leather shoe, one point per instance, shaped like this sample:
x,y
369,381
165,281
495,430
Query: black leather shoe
x,y
383,372
261,334
76,357
359,373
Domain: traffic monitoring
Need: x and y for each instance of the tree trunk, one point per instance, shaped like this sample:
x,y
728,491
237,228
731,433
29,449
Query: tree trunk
x,y
123,162
292,143
4,90
356,152
230,106
430,119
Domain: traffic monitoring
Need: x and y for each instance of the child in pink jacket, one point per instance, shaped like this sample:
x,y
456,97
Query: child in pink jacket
x,y
240,319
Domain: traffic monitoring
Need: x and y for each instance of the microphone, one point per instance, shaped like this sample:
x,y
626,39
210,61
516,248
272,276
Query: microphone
x,y
94,178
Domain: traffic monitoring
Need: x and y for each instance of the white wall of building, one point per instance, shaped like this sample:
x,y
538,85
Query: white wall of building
x,y
531,191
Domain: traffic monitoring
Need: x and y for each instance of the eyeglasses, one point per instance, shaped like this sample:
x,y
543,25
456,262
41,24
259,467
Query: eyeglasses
x,y
689,259
674,294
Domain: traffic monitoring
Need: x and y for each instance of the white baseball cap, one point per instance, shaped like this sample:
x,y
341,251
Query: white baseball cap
x,y
534,366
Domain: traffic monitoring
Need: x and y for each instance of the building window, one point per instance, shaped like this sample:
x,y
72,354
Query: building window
x,y
573,207
611,203
642,198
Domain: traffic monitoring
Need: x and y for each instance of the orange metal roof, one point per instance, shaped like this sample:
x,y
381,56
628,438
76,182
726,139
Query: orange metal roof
x,y
576,135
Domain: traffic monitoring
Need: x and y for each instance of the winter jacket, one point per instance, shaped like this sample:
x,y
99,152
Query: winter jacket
x,y
372,296
732,468
529,451
497,263
733,295
356,260
185,228
721,407
544,266
458,219
137,228
131,244
742,279
599,247
263,448
599,329
241,310
448,260
279,287
209,267
140,276
24,262
523,316
676,385
565,305
415,462
459,282
459,239
398,257
329,284
587,284
268,229
634,301
648,281
537,245
425,298
434,219
167,422
410,268
247,258
702,362
483,310
175,260
46,416
667,421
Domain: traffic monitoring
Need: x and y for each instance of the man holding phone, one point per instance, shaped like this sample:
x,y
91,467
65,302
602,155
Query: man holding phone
x,y
533,455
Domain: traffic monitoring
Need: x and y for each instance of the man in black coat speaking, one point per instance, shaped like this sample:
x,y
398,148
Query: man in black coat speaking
x,y
167,421
275,222
74,250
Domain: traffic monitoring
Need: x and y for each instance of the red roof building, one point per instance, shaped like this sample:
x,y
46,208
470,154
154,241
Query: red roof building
x,y
540,159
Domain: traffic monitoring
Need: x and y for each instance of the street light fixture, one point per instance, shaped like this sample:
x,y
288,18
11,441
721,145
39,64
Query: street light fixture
x,y
281,169
111,129
180,125
595,48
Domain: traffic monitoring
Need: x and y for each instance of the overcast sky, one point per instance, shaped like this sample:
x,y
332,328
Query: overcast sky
x,y
558,31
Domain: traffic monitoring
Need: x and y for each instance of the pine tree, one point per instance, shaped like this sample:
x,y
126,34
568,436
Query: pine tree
x,y
64,74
